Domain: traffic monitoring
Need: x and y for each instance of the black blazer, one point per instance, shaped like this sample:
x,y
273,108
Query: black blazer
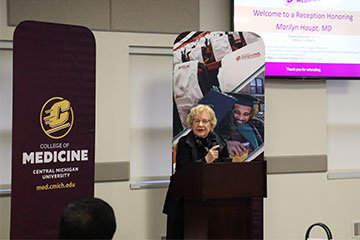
x,y
188,150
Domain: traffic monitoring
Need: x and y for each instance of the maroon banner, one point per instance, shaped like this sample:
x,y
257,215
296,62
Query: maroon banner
x,y
53,139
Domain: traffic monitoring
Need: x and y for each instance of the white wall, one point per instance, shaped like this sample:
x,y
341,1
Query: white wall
x,y
5,34
343,126
295,125
138,212
295,201
295,117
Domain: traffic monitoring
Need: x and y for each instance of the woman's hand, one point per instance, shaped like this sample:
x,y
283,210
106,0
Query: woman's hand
x,y
212,154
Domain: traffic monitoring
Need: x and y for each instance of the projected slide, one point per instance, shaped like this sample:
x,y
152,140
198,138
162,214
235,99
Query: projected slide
x,y
311,38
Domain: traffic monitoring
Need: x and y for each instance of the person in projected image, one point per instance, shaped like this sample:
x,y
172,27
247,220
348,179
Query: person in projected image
x,y
241,130
201,144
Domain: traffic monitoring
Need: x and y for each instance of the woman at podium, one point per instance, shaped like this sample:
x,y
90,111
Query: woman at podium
x,y
201,144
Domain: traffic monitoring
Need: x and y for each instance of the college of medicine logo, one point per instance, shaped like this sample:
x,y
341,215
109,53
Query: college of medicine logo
x,y
56,117
290,3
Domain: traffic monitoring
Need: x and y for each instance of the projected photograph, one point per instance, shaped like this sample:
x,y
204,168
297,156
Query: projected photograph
x,y
224,70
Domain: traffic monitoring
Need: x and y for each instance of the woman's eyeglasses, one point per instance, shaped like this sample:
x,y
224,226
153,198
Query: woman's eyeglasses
x,y
205,121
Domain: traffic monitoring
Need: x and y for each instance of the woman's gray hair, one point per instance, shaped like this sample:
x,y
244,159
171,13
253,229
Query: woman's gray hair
x,y
197,111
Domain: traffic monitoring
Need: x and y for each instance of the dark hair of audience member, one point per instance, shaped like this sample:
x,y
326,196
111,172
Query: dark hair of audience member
x,y
90,218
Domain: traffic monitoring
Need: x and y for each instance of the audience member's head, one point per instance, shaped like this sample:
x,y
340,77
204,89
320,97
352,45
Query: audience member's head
x,y
89,218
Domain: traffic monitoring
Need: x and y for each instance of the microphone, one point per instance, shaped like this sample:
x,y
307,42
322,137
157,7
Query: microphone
x,y
203,149
213,142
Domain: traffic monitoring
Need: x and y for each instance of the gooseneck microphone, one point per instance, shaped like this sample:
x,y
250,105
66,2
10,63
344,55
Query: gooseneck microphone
x,y
213,141
204,145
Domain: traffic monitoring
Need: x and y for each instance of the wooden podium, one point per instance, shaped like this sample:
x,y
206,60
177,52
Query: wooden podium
x,y
219,199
